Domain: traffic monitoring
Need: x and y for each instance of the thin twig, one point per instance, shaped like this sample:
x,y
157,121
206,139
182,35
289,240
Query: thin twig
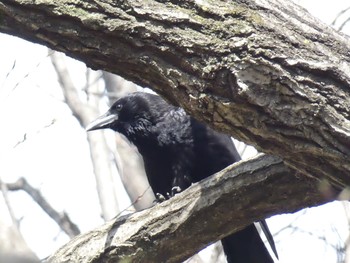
x,y
338,15
133,203
8,73
25,136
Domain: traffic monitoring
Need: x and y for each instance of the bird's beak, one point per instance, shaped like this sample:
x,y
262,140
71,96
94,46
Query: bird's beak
x,y
102,122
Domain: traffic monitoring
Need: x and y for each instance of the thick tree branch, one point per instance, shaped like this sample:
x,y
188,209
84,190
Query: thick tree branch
x,y
208,210
265,72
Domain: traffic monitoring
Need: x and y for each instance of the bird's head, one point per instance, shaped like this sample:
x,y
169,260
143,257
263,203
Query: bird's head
x,y
132,115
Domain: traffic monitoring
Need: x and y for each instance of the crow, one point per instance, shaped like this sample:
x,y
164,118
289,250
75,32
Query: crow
x,y
177,151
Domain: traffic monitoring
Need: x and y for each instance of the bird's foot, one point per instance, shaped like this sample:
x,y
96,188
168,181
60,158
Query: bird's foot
x,y
159,198
175,190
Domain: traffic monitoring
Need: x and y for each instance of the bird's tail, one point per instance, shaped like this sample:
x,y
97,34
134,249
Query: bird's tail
x,y
269,236
246,246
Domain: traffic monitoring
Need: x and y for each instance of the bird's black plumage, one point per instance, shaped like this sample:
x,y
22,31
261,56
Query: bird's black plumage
x,y
178,150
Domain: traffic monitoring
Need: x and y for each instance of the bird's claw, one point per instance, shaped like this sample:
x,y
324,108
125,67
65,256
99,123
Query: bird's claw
x,y
175,190
159,198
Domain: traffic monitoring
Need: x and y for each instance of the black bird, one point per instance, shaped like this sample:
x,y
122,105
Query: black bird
x,y
178,150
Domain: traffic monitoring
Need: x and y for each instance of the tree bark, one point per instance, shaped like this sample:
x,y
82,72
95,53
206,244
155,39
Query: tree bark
x,y
264,71
209,210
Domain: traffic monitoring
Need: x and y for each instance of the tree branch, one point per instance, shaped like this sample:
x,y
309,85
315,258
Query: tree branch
x,y
209,210
265,72
62,219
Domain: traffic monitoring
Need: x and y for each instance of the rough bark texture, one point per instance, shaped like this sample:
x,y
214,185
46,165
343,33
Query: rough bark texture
x,y
264,71
208,210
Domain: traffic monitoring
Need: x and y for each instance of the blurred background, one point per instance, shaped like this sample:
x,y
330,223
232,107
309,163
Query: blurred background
x,y
58,181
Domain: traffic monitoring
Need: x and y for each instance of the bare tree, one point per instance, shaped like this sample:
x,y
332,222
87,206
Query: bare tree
x,y
249,66
104,158
264,72
100,153
62,219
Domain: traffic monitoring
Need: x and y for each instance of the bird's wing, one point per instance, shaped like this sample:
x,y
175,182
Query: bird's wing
x,y
177,114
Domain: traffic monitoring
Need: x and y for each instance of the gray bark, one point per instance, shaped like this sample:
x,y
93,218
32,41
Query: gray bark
x,y
207,210
263,71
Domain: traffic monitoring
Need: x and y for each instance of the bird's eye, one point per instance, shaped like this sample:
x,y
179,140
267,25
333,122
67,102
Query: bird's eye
x,y
118,107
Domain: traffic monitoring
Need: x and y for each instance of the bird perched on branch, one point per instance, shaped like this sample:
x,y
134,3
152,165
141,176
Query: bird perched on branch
x,y
177,151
